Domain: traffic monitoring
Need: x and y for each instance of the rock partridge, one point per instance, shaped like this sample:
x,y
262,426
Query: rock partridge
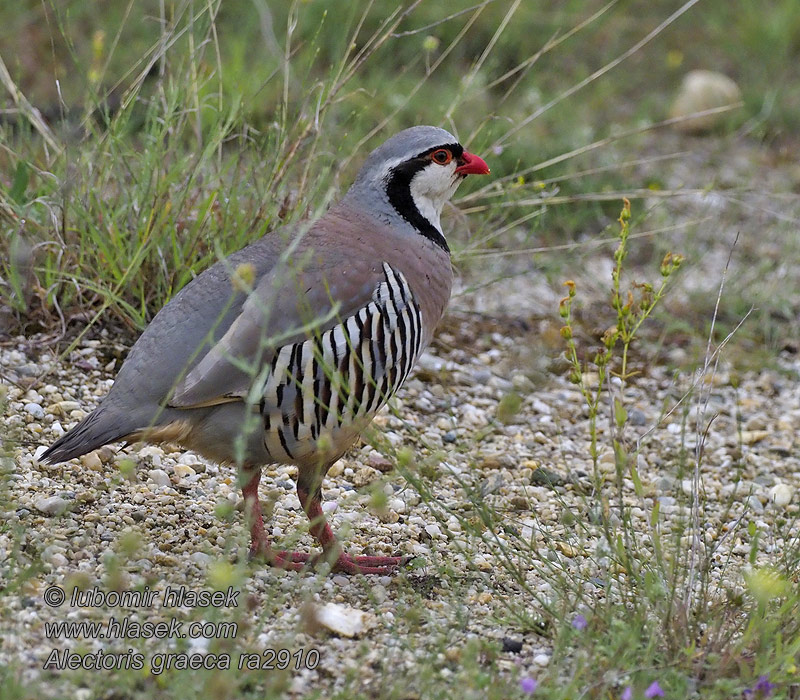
x,y
285,351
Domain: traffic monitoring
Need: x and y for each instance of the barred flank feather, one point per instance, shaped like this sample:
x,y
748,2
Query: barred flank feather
x,y
344,375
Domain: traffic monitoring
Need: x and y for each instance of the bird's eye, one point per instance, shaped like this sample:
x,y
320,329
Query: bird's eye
x,y
442,156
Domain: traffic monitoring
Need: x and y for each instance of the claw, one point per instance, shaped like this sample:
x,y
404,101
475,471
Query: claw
x,y
369,565
345,564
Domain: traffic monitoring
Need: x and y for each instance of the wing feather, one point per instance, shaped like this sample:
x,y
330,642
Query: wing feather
x,y
287,306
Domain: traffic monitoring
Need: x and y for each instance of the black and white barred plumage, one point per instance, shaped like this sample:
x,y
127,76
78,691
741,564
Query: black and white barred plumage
x,y
337,380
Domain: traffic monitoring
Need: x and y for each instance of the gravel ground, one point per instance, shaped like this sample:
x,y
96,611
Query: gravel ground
x,y
122,518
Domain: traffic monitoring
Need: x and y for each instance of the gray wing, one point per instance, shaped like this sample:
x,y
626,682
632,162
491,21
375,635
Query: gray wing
x,y
293,300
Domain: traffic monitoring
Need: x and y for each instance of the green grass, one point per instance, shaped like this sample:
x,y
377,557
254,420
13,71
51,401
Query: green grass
x,y
188,134
179,138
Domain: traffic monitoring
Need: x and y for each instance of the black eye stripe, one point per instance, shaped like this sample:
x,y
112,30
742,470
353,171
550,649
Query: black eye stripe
x,y
455,148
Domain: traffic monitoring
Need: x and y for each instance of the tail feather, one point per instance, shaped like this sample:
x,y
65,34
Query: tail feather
x,y
92,432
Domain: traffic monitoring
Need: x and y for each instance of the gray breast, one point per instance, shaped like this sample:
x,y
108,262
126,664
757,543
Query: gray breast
x,y
327,388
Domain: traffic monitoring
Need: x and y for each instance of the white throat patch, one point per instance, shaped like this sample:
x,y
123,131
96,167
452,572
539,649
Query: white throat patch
x,y
431,187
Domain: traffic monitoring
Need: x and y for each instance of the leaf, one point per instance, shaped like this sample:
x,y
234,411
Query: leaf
x,y
654,513
620,414
20,183
637,482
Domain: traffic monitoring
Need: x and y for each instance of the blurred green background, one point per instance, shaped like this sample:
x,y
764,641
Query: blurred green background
x,y
180,130
64,55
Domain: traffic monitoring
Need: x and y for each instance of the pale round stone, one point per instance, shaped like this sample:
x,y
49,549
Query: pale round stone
x,y
703,90
781,495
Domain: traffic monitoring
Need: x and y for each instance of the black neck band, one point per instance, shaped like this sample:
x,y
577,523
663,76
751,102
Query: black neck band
x,y
398,189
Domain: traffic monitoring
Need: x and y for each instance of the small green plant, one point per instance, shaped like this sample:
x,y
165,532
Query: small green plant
x,y
632,306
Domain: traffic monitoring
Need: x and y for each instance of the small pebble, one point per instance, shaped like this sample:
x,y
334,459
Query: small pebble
x,y
92,461
512,645
781,495
541,659
703,91
159,477
54,505
34,409
183,471
341,619
755,505
337,468
200,558
433,530
58,560
398,505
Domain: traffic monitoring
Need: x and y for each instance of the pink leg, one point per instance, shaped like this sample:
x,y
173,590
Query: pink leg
x,y
259,543
319,528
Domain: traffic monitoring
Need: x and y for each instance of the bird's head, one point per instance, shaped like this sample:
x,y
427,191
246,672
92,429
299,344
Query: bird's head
x,y
416,172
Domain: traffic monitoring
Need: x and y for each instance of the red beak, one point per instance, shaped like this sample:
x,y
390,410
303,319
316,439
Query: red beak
x,y
473,165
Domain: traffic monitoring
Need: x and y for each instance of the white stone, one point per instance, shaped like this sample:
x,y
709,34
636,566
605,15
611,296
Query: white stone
x,y
201,558
58,560
159,477
398,505
54,505
184,471
430,362
781,495
63,408
755,504
92,461
433,530
541,659
342,619
703,90
541,407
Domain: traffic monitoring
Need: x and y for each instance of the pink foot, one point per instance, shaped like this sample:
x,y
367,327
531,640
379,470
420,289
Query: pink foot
x,y
345,564
369,565
290,561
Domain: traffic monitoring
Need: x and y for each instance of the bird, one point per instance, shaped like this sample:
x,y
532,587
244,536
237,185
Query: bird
x,y
283,352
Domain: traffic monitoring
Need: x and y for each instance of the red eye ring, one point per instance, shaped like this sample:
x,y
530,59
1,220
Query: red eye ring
x,y
442,156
